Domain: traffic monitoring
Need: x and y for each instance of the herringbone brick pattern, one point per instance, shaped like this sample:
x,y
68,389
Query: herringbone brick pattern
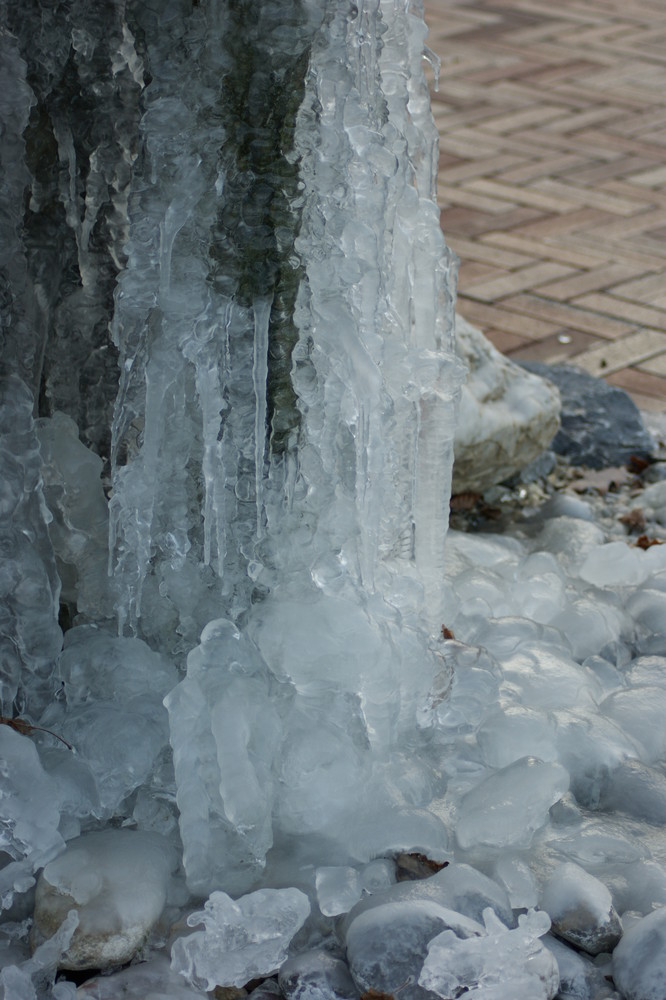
x,y
552,179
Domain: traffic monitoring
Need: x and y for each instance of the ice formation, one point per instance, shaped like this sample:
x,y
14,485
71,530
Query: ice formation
x,y
227,399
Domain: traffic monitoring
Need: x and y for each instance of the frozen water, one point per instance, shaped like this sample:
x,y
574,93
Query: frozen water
x,y
260,292
153,980
508,807
241,940
489,966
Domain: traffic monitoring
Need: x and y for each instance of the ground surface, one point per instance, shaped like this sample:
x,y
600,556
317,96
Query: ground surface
x,y
552,179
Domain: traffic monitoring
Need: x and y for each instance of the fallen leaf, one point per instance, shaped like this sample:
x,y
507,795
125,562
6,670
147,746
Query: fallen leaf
x,y
27,729
465,501
646,543
417,866
447,633
638,464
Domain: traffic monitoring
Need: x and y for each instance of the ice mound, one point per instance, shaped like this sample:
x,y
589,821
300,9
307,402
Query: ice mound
x,y
116,883
241,940
490,966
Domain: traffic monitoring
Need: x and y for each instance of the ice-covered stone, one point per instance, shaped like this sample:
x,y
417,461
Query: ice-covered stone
x,y
639,961
636,789
495,964
457,887
508,807
580,979
116,881
638,712
241,940
581,909
151,980
34,978
507,416
317,975
387,943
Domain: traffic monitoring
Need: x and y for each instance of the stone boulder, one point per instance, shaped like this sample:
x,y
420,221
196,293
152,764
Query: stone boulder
x,y
507,418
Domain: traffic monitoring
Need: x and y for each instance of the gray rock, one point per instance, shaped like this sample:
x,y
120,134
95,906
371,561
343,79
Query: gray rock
x,y
601,426
508,416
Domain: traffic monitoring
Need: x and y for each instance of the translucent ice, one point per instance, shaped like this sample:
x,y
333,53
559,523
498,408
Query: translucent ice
x,y
506,808
240,940
493,965
581,909
639,961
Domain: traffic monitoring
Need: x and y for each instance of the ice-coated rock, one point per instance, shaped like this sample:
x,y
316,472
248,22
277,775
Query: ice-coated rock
x,y
637,885
581,909
241,940
636,789
506,808
580,979
387,944
151,980
638,712
116,881
316,975
457,887
639,961
493,965
507,416
601,424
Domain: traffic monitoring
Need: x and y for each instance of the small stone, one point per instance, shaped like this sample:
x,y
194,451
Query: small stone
x,y
116,881
581,909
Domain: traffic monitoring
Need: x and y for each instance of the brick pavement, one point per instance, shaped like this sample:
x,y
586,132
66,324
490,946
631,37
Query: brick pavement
x,y
552,179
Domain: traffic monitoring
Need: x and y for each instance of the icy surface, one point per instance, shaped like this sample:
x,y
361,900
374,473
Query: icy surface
x,y
241,940
489,966
581,909
639,961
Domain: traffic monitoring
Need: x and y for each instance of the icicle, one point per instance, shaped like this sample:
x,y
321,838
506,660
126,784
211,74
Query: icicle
x,y
262,315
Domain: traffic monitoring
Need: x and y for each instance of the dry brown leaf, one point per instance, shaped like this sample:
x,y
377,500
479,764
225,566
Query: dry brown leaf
x,y
465,501
646,543
447,633
27,729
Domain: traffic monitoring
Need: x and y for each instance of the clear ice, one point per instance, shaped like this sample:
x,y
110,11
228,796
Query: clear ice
x,y
227,400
